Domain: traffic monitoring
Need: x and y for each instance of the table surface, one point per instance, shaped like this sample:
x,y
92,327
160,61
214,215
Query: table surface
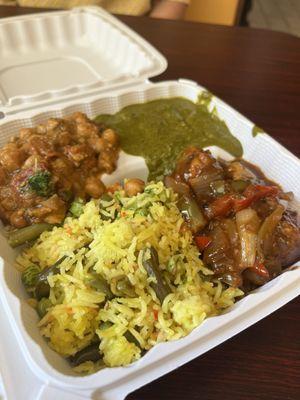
x,y
258,73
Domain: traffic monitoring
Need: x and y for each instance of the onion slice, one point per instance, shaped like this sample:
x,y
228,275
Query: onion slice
x,y
248,224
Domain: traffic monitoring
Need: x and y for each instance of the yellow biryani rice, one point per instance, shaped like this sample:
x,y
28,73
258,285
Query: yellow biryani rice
x,y
111,240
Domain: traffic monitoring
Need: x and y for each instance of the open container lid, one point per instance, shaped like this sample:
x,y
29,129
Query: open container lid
x,y
56,56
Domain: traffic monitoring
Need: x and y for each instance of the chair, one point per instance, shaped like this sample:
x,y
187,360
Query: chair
x,y
223,12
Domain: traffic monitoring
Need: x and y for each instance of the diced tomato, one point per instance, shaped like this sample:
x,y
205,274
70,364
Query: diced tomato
x,y
202,242
261,270
155,314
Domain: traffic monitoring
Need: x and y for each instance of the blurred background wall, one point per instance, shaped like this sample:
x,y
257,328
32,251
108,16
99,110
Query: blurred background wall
x,y
278,15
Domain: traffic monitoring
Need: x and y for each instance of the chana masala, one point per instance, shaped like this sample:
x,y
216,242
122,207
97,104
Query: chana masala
x,y
44,168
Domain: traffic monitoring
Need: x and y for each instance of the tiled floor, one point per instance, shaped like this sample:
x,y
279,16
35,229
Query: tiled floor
x,y
278,15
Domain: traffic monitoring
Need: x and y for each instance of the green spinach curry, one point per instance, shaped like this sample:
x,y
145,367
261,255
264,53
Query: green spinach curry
x,y
160,130
256,130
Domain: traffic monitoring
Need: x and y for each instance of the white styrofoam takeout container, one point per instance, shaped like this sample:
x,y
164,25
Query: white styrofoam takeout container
x,y
85,60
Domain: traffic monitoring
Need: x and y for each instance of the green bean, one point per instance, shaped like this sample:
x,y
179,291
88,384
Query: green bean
x,y
105,217
42,306
24,235
129,336
30,275
101,285
125,287
89,353
105,325
42,288
152,267
106,197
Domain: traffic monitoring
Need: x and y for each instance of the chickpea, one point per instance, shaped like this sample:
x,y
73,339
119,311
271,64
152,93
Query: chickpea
x,y
9,202
78,153
17,219
52,123
110,137
114,188
97,144
64,138
25,133
41,129
11,157
105,163
62,166
79,117
87,129
39,145
52,210
94,187
31,161
134,186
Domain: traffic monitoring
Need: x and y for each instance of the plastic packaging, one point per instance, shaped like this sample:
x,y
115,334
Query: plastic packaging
x,y
57,55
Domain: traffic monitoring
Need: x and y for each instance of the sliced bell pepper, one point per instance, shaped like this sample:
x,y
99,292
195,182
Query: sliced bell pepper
x,y
253,193
202,242
261,270
230,202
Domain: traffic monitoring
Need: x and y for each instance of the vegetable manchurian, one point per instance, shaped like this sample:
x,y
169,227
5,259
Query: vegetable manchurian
x,y
242,222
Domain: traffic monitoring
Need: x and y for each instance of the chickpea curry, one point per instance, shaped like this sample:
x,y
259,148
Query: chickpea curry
x,y
44,168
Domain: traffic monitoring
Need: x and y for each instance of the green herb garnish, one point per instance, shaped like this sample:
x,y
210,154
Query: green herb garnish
x,y
40,183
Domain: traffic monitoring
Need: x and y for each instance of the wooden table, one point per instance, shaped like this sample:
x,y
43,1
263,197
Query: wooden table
x,y
258,73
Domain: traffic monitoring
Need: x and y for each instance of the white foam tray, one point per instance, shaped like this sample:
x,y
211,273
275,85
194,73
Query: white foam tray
x,y
48,373
85,60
